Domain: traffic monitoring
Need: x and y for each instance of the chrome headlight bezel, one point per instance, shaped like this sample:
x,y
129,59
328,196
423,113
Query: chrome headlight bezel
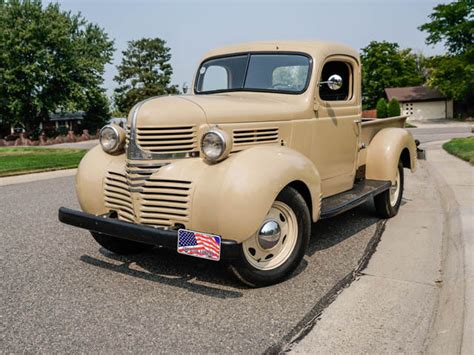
x,y
221,136
118,138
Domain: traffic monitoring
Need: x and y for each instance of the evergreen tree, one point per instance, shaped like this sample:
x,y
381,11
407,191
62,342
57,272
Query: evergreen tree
x,y
145,71
381,108
393,108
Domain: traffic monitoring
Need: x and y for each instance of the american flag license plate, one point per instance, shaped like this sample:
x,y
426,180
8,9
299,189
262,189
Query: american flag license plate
x,y
200,245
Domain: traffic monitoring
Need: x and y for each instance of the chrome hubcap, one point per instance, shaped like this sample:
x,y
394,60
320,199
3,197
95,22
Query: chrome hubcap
x,y
269,234
274,242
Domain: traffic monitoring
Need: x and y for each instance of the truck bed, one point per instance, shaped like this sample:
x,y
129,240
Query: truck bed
x,y
370,126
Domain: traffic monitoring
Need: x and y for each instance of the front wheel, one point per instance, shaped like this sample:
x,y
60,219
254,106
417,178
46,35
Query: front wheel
x,y
388,202
276,249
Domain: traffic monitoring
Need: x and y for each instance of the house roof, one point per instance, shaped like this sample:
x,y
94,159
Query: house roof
x,y
414,93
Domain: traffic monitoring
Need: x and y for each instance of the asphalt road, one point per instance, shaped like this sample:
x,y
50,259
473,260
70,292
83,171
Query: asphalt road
x,y
62,293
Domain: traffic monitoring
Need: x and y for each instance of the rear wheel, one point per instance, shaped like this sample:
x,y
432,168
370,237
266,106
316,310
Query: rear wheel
x,y
118,245
388,202
277,248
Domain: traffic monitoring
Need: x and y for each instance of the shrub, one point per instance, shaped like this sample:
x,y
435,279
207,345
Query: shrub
x,y
381,108
393,108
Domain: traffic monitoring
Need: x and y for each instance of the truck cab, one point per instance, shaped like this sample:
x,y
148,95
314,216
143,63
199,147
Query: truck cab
x,y
269,141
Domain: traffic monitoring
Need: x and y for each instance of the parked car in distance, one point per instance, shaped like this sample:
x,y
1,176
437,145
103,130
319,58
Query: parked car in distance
x,y
269,140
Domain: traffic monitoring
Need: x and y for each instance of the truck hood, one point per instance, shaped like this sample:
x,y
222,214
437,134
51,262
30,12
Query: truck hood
x,y
219,108
245,107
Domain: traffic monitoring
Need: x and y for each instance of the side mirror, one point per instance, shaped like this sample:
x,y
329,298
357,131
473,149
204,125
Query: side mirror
x,y
334,82
185,87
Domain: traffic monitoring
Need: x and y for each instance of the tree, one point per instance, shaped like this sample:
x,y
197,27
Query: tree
x,y
49,60
452,24
393,108
97,111
385,65
145,71
381,108
453,74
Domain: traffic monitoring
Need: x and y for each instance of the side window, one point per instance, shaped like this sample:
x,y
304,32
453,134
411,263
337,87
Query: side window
x,y
344,70
215,79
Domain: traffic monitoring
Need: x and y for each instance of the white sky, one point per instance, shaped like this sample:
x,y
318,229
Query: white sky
x,y
193,27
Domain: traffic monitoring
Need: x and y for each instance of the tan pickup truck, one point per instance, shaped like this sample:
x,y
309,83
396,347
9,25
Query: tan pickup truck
x,y
269,141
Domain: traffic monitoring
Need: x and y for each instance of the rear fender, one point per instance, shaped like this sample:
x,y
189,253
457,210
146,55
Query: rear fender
x,y
387,148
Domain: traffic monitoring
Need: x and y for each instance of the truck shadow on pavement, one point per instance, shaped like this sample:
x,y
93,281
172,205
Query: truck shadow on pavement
x,y
213,279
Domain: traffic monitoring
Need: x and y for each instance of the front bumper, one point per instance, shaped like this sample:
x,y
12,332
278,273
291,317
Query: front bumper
x,y
135,232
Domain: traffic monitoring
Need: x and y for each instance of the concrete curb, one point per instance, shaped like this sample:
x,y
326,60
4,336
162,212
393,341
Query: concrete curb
x,y
21,179
446,331
453,326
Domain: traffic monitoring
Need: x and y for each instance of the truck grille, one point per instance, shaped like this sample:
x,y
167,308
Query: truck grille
x,y
118,197
252,136
164,203
167,140
137,173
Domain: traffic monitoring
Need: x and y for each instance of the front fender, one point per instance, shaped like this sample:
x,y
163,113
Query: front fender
x,y
90,179
385,151
232,198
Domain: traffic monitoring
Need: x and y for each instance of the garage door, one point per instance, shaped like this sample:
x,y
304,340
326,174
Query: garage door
x,y
428,110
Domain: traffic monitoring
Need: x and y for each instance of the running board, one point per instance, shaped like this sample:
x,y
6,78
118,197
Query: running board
x,y
361,192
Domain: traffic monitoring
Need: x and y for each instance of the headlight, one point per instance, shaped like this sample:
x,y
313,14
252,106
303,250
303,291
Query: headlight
x,y
214,145
112,138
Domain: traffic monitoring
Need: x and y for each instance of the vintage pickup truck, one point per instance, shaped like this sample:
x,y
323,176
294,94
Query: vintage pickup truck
x,y
269,141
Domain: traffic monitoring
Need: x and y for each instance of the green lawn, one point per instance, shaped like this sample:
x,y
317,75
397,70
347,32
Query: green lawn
x,y
462,148
14,161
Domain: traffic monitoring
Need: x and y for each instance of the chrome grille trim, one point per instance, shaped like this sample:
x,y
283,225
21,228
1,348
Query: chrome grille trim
x,y
138,173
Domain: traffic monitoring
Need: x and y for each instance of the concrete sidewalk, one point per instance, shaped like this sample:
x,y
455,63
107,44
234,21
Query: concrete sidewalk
x,y
456,178
411,298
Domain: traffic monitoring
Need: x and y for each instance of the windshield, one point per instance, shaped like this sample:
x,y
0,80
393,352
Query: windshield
x,y
284,73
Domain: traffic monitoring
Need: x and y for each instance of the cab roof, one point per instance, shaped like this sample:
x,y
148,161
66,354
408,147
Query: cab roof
x,y
316,49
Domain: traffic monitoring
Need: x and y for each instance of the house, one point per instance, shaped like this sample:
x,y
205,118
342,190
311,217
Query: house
x,y
421,102
68,120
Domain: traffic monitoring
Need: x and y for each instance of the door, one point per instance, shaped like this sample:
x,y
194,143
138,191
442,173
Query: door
x,y
336,131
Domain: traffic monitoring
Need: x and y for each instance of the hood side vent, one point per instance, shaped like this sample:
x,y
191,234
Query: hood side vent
x,y
244,137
